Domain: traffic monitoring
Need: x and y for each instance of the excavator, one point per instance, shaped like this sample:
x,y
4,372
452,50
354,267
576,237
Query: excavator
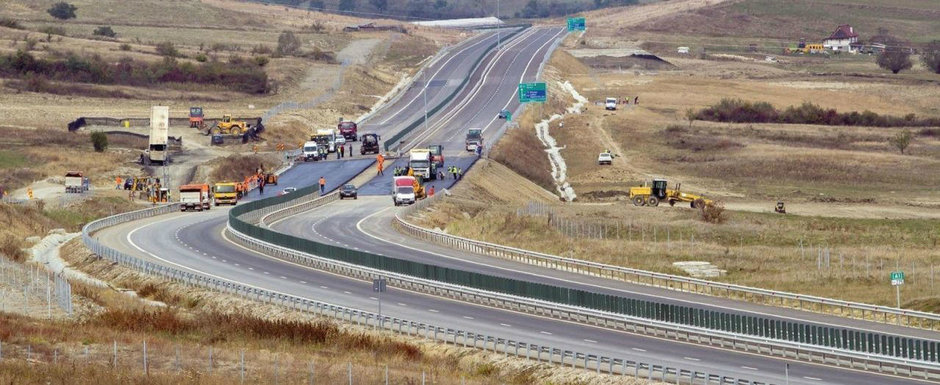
x,y
658,192
419,189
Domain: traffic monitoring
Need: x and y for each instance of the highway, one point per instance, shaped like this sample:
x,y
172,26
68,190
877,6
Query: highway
x,y
195,241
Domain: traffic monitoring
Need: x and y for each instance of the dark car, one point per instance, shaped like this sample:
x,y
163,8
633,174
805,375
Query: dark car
x,y
348,191
503,114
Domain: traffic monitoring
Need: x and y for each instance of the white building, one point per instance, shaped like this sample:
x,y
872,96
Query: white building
x,y
842,40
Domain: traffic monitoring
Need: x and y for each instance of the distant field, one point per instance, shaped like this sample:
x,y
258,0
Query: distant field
x,y
915,20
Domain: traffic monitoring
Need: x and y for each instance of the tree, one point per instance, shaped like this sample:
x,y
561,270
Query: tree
x,y
895,57
381,5
288,44
902,140
167,49
99,140
931,56
62,11
691,116
105,30
347,5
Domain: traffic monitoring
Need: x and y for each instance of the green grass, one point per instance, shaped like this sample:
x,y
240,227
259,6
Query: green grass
x,y
12,159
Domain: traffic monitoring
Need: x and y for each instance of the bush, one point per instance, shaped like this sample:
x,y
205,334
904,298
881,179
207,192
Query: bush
x,y
167,49
125,47
739,111
931,56
288,44
99,140
713,213
895,57
62,11
901,140
201,57
105,30
261,61
10,23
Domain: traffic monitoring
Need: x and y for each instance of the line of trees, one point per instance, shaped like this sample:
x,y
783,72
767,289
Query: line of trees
x,y
447,9
238,75
740,111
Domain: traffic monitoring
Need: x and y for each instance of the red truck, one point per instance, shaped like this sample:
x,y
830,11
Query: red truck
x,y
437,155
348,130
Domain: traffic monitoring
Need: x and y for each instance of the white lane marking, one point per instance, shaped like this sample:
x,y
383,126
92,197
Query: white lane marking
x,y
691,358
467,317
748,368
303,282
283,277
346,292
591,341
323,287
506,325
433,311
267,273
224,260
639,350
237,264
401,304
812,378
212,257
545,332
251,268
373,298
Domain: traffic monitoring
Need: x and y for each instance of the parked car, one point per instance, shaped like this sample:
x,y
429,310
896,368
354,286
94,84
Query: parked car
x,y
288,190
340,140
605,158
349,191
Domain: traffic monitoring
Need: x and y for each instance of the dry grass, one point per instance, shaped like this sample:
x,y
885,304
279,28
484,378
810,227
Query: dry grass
x,y
521,151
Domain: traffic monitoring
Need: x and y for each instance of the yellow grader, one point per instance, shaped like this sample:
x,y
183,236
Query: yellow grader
x,y
658,192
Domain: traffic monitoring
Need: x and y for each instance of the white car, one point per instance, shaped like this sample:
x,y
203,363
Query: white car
x,y
605,158
610,104
288,190
339,141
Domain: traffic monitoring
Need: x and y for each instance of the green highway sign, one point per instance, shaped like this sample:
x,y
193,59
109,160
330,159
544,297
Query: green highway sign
x,y
575,24
531,92
897,278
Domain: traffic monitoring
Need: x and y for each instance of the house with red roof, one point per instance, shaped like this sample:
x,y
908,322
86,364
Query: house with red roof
x,y
844,39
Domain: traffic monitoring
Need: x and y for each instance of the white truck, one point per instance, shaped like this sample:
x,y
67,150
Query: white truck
x,y
157,151
311,151
326,138
75,182
610,104
403,190
195,197
420,163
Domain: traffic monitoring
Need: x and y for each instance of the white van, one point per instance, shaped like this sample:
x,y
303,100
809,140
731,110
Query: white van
x,y
610,104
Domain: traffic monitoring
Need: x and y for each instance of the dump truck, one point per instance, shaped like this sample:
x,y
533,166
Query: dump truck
x,y
196,117
474,139
370,144
225,192
228,126
437,155
157,150
421,165
325,139
348,130
404,190
74,182
195,197
658,192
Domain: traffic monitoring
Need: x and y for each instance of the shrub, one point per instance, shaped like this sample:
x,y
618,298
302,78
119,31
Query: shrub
x,y
201,57
288,44
738,111
99,140
167,49
105,30
931,56
10,23
901,140
125,47
62,11
713,213
895,57
261,49
261,61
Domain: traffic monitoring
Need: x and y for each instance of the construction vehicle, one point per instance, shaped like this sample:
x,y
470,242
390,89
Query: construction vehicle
x,y
196,118
195,197
75,182
270,178
325,139
348,130
370,144
157,150
780,209
225,192
421,165
658,192
406,190
228,126
437,155
474,139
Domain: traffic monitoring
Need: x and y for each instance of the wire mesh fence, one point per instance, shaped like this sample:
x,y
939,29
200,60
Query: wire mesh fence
x,y
31,290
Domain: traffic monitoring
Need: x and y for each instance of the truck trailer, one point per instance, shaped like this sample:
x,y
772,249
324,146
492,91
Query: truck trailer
x,y
403,190
157,150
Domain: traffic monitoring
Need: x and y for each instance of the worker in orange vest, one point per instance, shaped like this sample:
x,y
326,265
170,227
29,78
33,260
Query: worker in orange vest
x,y
322,185
380,159
118,182
431,192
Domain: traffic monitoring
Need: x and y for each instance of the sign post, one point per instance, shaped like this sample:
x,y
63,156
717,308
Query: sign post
x,y
575,24
378,286
532,92
897,279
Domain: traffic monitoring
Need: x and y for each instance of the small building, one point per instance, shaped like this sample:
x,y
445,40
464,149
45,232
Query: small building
x,y
842,39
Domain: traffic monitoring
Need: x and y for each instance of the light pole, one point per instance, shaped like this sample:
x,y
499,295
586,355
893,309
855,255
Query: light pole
x,y
497,26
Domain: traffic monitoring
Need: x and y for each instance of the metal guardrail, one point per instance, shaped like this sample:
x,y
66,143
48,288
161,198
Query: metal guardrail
x,y
868,312
701,333
456,337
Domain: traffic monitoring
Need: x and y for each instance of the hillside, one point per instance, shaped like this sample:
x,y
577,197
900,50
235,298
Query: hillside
x,y
452,9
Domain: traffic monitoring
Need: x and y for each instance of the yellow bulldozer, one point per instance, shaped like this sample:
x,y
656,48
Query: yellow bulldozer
x,y
658,192
228,126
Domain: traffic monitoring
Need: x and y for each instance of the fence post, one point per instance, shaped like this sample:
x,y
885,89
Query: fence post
x,y
349,371
114,354
242,371
146,372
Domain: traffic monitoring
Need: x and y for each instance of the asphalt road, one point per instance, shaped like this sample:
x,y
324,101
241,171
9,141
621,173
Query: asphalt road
x,y
194,241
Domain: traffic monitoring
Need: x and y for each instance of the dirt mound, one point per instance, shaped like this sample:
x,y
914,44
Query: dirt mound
x,y
495,183
237,167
